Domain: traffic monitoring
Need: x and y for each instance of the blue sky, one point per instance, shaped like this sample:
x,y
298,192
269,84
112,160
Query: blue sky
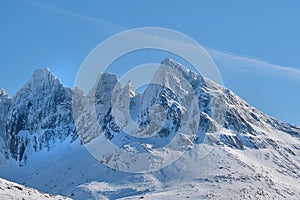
x,y
255,44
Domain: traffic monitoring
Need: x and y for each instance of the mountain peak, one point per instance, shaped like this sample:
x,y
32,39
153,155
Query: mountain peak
x,y
172,63
193,77
166,61
109,77
42,70
3,93
43,74
41,79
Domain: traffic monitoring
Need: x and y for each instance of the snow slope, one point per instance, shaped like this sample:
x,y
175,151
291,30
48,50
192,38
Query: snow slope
x,y
13,191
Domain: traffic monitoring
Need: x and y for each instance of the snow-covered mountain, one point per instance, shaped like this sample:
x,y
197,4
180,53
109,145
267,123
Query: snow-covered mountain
x,y
39,115
237,150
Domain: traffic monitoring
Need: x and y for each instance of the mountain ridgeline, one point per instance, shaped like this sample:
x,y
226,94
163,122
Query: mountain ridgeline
x,y
40,114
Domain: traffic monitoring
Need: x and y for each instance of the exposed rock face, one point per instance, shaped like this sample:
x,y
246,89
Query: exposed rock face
x,y
5,103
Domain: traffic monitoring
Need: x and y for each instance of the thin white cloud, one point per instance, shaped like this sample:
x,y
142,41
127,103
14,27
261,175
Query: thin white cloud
x,y
236,62
107,26
247,64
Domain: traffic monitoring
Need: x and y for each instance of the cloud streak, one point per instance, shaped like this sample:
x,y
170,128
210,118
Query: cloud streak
x,y
246,64
108,27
